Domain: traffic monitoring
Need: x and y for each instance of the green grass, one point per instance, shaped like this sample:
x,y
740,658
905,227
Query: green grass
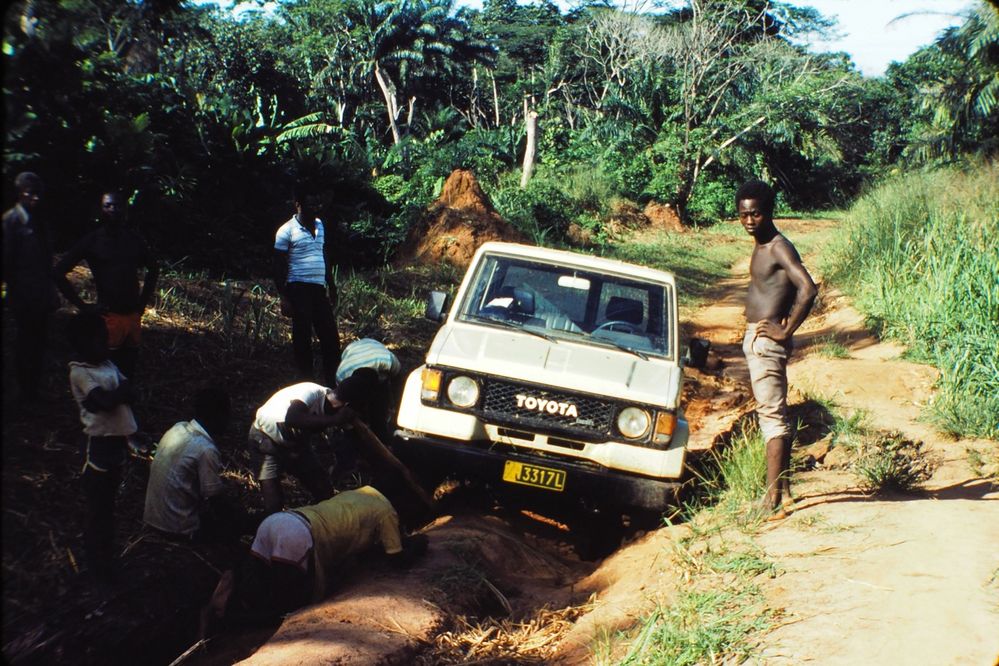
x,y
702,627
984,464
828,346
818,523
920,257
719,610
732,477
891,462
699,260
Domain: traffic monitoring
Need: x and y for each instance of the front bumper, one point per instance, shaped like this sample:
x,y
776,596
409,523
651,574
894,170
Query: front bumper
x,y
484,461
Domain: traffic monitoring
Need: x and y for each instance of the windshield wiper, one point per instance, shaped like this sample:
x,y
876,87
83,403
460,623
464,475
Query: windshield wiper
x,y
509,324
639,354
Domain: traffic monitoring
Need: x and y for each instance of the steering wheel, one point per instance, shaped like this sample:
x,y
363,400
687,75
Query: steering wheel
x,y
610,325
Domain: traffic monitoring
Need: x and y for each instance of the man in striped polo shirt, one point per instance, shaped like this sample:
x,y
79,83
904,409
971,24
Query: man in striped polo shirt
x,y
304,278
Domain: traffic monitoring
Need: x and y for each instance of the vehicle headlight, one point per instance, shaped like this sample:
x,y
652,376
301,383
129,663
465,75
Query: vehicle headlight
x,y
633,422
463,391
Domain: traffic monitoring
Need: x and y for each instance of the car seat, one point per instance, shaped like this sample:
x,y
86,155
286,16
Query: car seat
x,y
624,309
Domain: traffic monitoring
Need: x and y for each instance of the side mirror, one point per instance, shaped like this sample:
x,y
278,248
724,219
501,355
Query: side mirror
x,y
438,303
697,353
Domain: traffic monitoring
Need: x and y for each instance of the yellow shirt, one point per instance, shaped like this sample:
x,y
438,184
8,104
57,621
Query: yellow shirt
x,y
347,524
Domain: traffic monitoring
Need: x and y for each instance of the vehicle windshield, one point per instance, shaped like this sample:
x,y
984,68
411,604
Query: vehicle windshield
x,y
571,304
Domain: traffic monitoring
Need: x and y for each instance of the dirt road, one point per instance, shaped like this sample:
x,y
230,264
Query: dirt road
x,y
908,579
896,579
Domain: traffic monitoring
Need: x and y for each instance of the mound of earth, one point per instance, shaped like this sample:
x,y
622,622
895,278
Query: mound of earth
x,y
625,216
456,224
663,216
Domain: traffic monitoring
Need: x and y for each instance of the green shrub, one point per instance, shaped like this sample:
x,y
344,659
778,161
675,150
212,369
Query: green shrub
x,y
590,188
890,462
393,187
541,210
514,205
711,201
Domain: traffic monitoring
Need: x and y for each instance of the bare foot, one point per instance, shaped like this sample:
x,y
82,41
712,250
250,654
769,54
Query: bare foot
x,y
765,509
779,514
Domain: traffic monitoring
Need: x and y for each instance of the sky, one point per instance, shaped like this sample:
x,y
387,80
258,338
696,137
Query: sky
x,y
873,34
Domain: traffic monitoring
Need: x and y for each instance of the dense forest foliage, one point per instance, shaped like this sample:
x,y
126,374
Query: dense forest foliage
x,y
208,117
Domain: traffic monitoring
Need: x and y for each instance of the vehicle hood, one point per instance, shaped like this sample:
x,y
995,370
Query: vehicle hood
x,y
569,365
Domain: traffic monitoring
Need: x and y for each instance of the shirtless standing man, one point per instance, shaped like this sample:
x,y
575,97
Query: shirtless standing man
x,y
114,253
781,293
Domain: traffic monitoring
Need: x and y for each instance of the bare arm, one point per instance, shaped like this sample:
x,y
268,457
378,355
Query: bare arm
x,y
149,282
280,270
103,400
69,261
299,417
805,291
328,262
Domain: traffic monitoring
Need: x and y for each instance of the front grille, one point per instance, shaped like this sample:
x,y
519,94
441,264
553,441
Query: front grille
x,y
593,416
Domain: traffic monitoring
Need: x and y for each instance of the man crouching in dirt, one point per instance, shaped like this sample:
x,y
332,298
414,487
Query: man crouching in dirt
x,y
185,499
780,296
279,436
296,554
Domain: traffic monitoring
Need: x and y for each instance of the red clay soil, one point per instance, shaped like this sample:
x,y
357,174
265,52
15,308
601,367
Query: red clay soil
x,y
456,224
663,216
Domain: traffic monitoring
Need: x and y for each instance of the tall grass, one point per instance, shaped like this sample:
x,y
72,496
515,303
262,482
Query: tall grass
x,y
920,255
733,477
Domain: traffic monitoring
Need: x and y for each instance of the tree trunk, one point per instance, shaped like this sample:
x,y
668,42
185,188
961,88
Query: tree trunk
x,y
473,99
495,100
686,175
531,123
409,113
391,105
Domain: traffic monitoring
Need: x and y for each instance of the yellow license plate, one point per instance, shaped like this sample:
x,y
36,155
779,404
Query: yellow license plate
x,y
532,475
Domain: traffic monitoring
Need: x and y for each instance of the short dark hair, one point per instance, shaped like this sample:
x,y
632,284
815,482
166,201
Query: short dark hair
x,y
302,191
760,191
27,179
211,403
83,327
358,387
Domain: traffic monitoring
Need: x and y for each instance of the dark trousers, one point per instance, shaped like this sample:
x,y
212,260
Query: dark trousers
x,y
100,489
311,309
29,349
375,413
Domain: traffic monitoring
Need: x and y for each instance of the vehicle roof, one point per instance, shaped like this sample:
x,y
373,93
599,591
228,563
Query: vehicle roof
x,y
598,264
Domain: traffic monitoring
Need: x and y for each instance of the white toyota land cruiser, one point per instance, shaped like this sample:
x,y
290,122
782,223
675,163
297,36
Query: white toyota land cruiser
x,y
555,373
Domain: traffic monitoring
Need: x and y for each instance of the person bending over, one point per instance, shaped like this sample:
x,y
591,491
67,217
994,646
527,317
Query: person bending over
x,y
281,432
185,496
297,553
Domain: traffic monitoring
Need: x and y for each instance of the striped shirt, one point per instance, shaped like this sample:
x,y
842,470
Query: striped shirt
x,y
367,353
306,262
